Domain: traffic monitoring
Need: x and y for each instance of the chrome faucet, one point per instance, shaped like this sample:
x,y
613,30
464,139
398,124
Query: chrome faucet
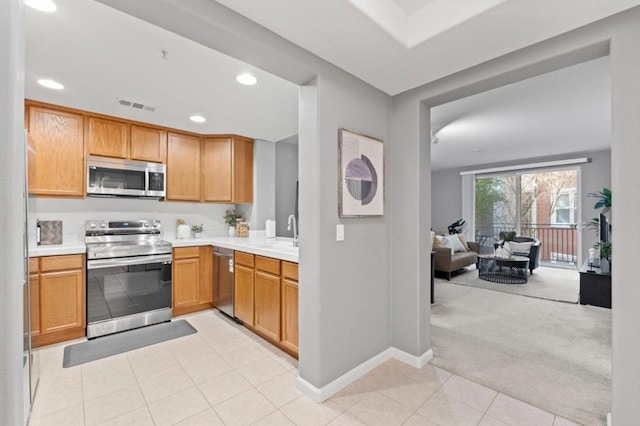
x,y
292,218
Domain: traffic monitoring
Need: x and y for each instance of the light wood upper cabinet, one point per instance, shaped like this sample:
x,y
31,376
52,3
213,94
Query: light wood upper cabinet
x,y
183,167
216,169
148,144
192,279
227,163
58,299
56,152
107,138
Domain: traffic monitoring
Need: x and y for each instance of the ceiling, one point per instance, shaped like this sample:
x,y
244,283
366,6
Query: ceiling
x,y
101,55
356,35
566,111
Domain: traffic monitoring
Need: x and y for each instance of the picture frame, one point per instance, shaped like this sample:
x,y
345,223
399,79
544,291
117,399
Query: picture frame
x,y
361,179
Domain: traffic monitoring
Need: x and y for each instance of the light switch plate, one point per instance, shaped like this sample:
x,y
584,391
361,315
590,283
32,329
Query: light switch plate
x,y
339,232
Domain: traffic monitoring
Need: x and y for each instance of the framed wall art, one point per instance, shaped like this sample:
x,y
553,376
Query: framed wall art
x,y
361,175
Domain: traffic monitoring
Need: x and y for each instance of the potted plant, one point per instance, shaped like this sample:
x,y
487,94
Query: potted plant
x,y
604,199
230,218
605,255
197,230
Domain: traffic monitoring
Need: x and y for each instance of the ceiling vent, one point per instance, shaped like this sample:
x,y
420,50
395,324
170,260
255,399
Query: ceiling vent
x,y
136,105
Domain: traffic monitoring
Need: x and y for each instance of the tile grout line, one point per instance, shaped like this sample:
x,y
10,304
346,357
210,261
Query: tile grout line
x,y
488,407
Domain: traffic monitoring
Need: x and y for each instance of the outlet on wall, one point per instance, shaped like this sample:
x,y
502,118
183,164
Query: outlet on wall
x,y
340,232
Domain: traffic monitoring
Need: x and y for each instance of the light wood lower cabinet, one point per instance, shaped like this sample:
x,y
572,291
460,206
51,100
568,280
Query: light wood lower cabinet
x,y
289,337
192,279
244,288
267,304
266,298
57,299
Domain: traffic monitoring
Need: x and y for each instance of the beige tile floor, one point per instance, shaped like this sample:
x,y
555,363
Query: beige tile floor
x,y
225,375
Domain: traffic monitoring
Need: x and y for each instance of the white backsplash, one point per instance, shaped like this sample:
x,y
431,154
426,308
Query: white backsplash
x,y
74,214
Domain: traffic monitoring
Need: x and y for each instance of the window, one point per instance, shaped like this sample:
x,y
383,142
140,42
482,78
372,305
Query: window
x,y
564,212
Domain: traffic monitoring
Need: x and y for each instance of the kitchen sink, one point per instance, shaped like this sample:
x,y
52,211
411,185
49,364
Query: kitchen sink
x,y
286,246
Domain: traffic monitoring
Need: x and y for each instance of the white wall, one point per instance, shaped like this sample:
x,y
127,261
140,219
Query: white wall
x,y
446,190
286,179
11,206
74,213
264,186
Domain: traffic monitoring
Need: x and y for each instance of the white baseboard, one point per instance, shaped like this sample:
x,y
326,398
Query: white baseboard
x,y
412,360
330,389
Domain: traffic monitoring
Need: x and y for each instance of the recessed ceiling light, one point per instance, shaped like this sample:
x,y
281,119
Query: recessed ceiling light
x,y
42,5
51,84
197,119
246,79
477,150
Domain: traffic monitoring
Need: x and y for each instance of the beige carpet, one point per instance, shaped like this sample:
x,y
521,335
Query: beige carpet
x,y
546,283
556,356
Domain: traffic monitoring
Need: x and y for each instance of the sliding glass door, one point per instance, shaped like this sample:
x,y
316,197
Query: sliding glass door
x,y
542,205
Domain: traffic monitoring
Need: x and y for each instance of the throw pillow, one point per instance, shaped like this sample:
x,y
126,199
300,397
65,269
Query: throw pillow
x,y
453,242
464,242
521,248
437,243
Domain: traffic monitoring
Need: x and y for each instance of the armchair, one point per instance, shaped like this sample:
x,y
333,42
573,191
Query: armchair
x,y
534,252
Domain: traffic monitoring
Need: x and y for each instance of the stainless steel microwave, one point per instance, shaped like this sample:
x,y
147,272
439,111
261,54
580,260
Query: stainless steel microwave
x,y
113,177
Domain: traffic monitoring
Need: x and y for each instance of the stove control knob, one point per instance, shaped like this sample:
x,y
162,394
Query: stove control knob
x,y
92,225
103,225
146,224
155,223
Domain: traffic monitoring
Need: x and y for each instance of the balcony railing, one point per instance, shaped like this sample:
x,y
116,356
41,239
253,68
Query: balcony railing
x,y
558,243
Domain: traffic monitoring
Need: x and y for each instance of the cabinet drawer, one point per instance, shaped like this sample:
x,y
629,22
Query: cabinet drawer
x,y
61,263
33,265
186,252
268,264
245,259
290,270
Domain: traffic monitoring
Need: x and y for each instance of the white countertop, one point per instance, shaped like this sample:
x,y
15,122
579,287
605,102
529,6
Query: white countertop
x,y
279,248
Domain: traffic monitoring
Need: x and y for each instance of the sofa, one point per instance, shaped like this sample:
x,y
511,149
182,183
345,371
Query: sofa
x,y
533,254
447,263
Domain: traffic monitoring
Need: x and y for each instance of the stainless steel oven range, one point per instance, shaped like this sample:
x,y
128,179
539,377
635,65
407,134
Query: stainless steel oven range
x,y
128,275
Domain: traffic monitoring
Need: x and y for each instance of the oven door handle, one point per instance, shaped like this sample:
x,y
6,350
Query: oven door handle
x,y
125,261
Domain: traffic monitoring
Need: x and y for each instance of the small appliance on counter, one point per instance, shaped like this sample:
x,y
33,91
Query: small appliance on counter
x,y
183,231
48,232
270,228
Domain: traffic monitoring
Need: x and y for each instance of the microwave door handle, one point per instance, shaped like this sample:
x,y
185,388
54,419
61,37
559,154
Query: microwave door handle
x,y
146,181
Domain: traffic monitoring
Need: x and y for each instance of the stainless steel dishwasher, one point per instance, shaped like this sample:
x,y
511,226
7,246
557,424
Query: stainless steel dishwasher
x,y
223,287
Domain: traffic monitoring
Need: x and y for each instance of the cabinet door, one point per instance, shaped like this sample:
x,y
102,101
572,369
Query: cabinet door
x,y
62,301
243,304
216,169
242,170
56,153
267,304
107,138
205,292
34,304
183,167
290,315
148,144
186,284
